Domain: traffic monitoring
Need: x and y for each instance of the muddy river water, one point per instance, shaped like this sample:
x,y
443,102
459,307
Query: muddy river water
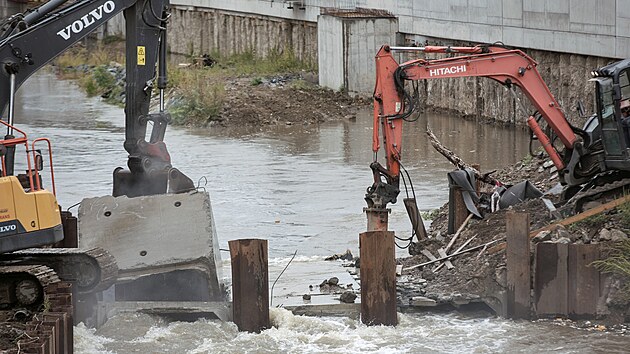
x,y
300,187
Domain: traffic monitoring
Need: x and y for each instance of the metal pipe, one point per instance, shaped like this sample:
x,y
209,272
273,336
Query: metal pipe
x,y
408,49
11,104
162,79
43,11
9,157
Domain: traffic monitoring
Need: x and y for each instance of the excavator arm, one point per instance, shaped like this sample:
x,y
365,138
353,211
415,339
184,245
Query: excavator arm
x,y
28,42
392,104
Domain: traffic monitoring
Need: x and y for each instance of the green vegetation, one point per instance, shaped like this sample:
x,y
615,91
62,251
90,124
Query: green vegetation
x,y
624,215
79,56
430,215
102,82
199,95
196,92
200,90
249,64
617,262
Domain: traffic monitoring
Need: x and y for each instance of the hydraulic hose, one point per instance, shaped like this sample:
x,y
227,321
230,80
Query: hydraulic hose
x,y
43,11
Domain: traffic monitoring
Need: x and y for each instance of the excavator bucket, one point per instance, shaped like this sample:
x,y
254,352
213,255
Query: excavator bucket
x,y
165,245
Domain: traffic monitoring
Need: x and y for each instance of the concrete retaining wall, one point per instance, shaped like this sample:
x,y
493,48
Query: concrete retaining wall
x,y
196,31
589,27
206,31
8,8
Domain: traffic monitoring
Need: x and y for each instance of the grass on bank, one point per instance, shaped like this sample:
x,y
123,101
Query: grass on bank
x,y
196,93
617,262
111,49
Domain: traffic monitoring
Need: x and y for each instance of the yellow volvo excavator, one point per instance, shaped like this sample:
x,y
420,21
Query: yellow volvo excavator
x,y
29,214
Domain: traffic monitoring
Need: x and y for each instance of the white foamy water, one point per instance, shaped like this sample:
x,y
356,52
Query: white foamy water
x,y
416,333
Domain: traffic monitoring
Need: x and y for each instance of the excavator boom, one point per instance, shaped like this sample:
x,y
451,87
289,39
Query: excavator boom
x,y
508,67
393,104
28,42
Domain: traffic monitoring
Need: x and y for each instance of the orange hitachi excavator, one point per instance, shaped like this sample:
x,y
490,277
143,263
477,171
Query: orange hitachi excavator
x,y
594,160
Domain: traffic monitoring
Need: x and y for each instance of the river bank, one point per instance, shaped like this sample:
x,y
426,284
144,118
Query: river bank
x,y
479,278
219,91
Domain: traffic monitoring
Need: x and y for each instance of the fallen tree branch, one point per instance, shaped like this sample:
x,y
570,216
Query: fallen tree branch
x,y
457,161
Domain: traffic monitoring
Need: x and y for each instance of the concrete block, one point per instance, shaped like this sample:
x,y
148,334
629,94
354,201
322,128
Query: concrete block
x,y
406,24
330,51
593,17
162,238
422,301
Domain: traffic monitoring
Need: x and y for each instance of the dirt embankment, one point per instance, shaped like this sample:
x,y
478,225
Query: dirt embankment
x,y
481,276
283,100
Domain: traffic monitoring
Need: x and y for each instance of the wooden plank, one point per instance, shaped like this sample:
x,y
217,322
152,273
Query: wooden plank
x,y
378,278
415,217
451,255
518,265
583,280
456,251
570,220
478,182
429,255
458,212
250,284
459,231
443,254
551,279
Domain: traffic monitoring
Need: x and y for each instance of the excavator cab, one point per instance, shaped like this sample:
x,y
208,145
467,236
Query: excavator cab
x,y
612,100
29,214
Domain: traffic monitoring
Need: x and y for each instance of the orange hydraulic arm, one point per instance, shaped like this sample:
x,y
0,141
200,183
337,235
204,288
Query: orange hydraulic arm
x,y
509,67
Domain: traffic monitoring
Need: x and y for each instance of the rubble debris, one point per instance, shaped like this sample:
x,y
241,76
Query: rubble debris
x,y
331,286
456,251
459,231
422,301
450,256
348,297
480,277
347,256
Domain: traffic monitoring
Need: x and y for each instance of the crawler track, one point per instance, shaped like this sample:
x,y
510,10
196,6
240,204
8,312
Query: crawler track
x,y
39,318
89,270
604,190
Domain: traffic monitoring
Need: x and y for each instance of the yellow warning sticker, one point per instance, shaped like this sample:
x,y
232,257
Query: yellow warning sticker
x,y
141,55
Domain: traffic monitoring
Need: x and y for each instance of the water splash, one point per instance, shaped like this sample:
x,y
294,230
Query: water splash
x,y
416,333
